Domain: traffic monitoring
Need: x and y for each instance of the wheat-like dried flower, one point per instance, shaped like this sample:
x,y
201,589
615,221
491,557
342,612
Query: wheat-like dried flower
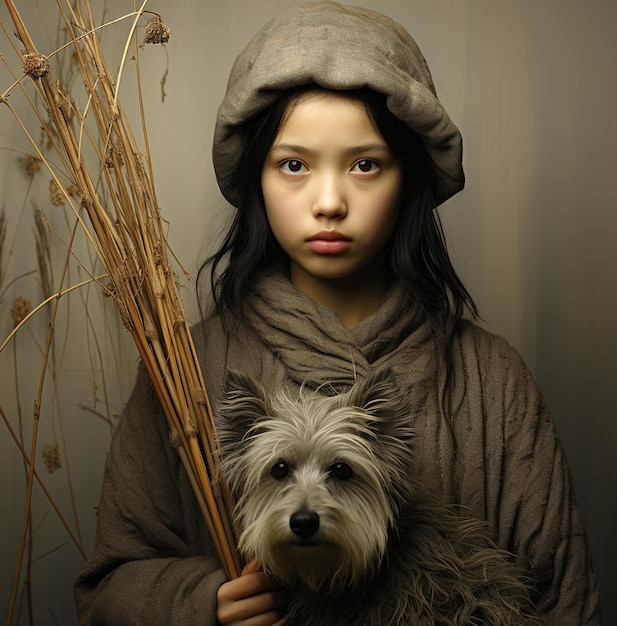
x,y
113,153
73,190
108,289
21,308
32,164
35,65
56,196
156,31
51,457
63,102
147,296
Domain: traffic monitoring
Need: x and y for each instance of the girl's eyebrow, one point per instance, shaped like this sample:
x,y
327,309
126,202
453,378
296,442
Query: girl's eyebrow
x,y
352,150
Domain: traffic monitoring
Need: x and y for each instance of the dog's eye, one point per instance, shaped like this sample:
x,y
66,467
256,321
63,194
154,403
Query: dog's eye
x,y
280,470
340,471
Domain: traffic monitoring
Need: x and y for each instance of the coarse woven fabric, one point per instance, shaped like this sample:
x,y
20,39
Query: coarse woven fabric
x,y
342,48
489,446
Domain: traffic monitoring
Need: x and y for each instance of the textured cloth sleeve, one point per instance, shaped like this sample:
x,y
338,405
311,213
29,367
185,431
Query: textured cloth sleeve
x,y
530,499
152,562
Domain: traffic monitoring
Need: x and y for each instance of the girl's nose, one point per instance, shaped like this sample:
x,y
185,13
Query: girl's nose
x,y
329,198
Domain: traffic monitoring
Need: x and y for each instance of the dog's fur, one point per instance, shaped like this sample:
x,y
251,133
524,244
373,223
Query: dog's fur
x,y
326,504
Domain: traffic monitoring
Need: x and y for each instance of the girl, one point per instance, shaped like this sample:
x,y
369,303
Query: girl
x,y
335,150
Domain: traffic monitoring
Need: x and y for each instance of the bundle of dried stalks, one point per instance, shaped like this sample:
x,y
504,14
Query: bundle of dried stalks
x,y
131,243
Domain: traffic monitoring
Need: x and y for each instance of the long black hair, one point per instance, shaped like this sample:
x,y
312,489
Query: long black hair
x,y
417,254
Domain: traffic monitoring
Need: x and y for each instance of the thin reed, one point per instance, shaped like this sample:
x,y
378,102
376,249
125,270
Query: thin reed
x,y
116,191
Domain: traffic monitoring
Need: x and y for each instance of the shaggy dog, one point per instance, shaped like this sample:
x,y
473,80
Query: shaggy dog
x,y
326,505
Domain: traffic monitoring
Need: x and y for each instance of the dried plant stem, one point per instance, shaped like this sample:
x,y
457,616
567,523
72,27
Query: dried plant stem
x,y
132,246
44,303
35,429
54,362
42,485
28,522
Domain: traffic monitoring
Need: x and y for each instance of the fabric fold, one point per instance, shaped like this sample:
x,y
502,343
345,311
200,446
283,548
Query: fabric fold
x,y
321,350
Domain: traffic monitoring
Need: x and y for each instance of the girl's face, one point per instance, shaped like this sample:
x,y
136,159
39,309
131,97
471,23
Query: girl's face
x,y
332,189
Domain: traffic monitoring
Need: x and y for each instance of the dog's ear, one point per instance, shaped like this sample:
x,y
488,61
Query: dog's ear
x,y
243,404
380,396
238,384
391,426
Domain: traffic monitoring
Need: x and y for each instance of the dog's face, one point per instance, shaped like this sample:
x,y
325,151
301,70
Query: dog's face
x,y
318,480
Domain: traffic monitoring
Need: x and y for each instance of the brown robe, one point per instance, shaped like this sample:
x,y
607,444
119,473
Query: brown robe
x,y
485,440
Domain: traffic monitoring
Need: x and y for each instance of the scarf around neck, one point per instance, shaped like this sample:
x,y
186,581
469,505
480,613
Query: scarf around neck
x,y
313,344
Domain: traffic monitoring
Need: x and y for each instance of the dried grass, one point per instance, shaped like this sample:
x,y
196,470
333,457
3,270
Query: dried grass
x,y
128,235
2,241
20,309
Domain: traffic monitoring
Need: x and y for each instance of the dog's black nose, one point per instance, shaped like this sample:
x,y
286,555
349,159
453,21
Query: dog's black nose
x,y
304,524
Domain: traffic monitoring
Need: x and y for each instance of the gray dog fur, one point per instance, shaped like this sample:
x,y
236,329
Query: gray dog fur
x,y
376,551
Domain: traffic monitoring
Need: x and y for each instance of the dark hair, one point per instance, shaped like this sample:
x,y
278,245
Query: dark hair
x,y
417,252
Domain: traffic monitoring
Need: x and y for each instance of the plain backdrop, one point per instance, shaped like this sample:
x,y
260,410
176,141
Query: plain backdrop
x,y
531,84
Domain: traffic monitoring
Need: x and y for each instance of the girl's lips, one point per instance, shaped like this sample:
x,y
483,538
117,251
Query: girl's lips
x,y
329,242
325,246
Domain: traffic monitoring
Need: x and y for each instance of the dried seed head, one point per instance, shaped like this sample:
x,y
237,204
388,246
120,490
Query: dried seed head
x,y
31,164
52,458
113,153
156,31
63,103
56,196
158,255
108,289
73,191
20,309
35,65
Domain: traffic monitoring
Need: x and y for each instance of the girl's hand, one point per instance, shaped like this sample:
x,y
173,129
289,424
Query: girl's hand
x,y
252,599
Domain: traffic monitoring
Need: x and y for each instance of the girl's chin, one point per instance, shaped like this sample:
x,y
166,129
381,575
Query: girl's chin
x,y
334,271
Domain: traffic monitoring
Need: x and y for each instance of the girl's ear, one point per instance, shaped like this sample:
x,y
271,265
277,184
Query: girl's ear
x,y
243,405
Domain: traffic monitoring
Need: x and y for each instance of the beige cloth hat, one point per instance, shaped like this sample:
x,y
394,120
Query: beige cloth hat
x,y
338,47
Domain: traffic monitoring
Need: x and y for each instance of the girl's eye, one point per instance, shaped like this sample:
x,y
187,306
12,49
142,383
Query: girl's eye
x,y
293,166
365,166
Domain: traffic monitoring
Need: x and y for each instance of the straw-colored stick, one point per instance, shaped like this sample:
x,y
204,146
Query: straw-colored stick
x,y
132,246
42,485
